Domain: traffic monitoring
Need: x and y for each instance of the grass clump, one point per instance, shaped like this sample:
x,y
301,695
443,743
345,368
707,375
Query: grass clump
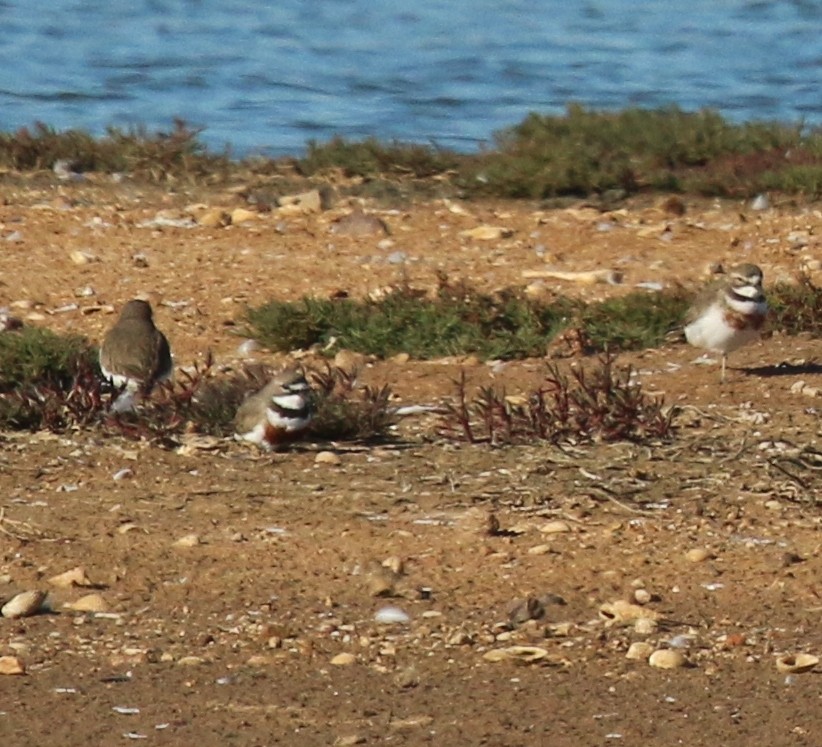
x,y
457,320
635,321
460,320
587,151
370,158
796,307
34,356
598,403
155,157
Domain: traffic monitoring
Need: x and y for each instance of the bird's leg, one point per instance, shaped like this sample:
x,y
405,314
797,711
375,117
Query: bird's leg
x,y
722,377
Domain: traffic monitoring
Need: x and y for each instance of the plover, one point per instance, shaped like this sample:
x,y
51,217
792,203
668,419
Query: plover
x,y
134,353
729,313
279,412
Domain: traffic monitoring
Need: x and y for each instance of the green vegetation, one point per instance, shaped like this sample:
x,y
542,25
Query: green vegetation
x,y
157,157
31,356
796,307
579,153
461,320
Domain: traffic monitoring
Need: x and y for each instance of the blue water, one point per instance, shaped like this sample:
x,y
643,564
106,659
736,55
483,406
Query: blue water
x,y
265,77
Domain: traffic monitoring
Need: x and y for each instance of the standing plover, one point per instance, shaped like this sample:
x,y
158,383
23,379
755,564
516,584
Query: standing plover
x,y
134,353
729,313
279,412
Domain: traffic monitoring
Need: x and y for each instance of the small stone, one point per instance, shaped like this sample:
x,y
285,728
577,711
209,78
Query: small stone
x,y
413,722
391,616
698,554
328,458
359,223
760,202
11,665
539,550
349,740
642,596
343,660
188,540
88,603
407,678
190,661
665,658
214,218
645,626
486,233
639,651
304,202
73,577
241,215
83,258
400,358
555,527
24,604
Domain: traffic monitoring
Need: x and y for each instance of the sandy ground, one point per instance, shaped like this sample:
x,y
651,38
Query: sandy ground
x,y
259,627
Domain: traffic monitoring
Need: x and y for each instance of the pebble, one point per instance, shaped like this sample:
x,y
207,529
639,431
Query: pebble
x,y
188,540
214,218
83,258
698,554
343,660
642,596
486,233
190,661
241,215
639,651
349,740
327,457
73,577
391,616
11,665
24,604
555,527
88,603
665,658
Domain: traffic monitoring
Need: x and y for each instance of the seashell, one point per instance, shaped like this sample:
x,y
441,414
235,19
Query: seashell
x,y
73,577
639,650
666,658
25,604
521,654
796,663
622,612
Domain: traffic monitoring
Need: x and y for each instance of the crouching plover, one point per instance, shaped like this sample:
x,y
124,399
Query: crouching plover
x,y
729,313
281,411
134,353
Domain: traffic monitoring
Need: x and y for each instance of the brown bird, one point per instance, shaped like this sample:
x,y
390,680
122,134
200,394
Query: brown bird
x,y
281,411
134,353
729,313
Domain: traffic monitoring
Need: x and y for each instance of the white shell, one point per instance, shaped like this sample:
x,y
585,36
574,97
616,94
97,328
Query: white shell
x,y
391,615
796,663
